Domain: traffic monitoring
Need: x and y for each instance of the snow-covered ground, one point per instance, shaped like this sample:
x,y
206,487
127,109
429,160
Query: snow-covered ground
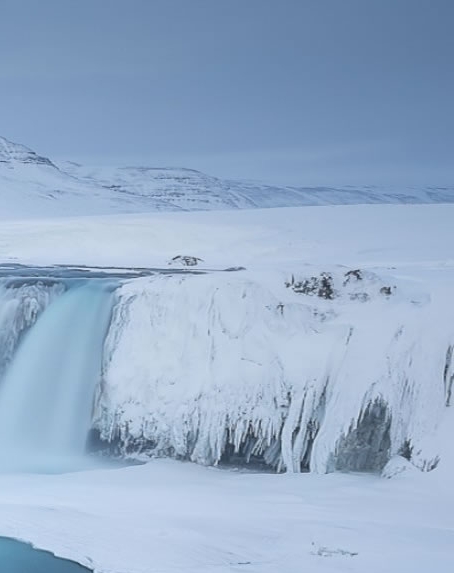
x,y
168,517
416,236
362,344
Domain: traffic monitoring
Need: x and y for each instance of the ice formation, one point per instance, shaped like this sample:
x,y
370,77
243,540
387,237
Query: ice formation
x,y
317,370
214,368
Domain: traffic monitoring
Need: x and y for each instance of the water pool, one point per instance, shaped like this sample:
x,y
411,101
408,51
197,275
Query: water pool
x,y
18,557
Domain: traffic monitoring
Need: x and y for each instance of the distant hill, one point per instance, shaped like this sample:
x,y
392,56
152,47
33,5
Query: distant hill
x,y
34,186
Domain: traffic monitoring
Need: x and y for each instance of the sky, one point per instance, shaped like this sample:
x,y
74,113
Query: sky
x,y
304,92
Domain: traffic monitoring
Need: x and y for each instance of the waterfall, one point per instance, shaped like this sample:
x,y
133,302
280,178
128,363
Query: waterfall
x,y
21,303
47,392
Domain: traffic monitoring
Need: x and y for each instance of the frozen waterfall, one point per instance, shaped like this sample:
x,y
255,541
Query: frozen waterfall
x,y
47,391
223,368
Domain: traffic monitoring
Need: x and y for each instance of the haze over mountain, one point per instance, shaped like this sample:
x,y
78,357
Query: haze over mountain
x,y
32,185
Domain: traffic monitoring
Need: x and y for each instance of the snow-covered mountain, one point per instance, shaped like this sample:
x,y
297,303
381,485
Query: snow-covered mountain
x,y
34,186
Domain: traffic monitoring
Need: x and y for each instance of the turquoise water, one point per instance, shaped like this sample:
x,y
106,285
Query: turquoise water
x,y
18,557
46,395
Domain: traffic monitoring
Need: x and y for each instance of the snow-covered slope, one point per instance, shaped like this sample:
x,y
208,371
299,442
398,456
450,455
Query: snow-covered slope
x,y
34,186
31,186
15,153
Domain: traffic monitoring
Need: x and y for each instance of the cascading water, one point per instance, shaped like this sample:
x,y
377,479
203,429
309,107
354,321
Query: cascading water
x,y
47,392
21,303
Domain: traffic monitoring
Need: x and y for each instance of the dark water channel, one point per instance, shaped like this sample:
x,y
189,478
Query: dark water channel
x,y
56,272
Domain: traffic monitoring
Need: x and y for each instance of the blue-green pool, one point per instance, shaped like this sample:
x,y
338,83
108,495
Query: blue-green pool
x,y
18,557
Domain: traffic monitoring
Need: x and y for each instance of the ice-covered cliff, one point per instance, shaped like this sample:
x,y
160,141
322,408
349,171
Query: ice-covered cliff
x,y
320,369
307,368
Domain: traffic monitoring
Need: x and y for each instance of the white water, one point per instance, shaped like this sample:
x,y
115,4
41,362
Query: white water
x,y
47,393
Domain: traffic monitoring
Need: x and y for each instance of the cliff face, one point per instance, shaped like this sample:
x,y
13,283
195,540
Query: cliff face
x,y
316,369
322,370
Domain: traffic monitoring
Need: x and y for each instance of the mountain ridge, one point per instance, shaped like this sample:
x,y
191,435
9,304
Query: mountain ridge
x,y
32,185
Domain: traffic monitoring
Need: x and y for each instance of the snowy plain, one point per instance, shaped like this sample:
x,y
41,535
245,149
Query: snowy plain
x,y
170,516
167,516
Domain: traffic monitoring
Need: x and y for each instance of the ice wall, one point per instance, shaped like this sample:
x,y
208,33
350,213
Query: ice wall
x,y
261,367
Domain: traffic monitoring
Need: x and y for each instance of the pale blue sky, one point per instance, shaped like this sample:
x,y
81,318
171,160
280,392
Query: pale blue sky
x,y
296,91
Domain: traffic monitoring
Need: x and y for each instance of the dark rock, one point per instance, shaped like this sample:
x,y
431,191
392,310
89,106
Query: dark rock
x,y
321,286
386,291
353,275
186,260
367,444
